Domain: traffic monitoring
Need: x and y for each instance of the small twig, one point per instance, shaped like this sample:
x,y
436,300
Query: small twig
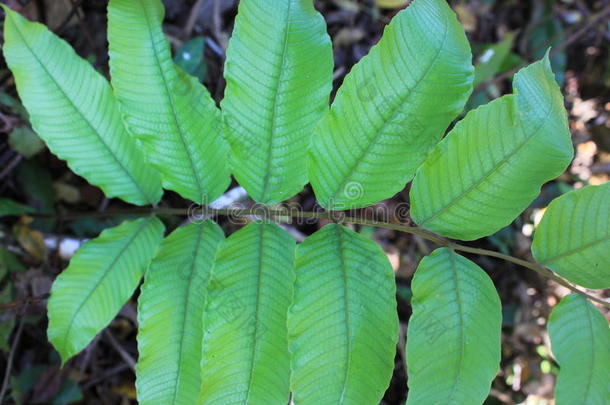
x,y
16,160
72,13
23,302
114,370
579,32
190,23
124,355
11,356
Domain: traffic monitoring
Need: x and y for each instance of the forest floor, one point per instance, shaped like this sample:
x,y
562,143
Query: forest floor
x,y
578,31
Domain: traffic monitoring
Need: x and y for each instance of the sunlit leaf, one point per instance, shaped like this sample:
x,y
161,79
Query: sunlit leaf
x,y
453,339
343,324
573,238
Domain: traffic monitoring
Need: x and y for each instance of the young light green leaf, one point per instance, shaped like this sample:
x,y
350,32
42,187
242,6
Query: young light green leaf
x,y
573,238
279,77
169,314
580,340
10,207
73,110
245,349
170,112
101,277
453,340
393,107
343,324
492,164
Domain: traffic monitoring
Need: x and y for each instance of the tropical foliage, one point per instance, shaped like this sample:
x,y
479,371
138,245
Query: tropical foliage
x,y
254,318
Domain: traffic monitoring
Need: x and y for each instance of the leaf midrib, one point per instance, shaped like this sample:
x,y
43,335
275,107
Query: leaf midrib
x,y
185,306
259,277
85,119
172,104
576,250
460,308
122,251
590,322
381,130
348,346
274,107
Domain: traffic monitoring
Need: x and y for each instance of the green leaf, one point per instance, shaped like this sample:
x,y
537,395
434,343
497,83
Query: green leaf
x,y
13,105
7,319
492,164
73,110
453,339
343,325
25,141
170,112
245,348
170,311
580,340
573,238
9,263
69,393
491,60
279,76
10,208
392,108
36,182
190,57
101,277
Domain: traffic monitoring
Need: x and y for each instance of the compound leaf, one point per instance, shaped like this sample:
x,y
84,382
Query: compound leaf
x,y
170,112
573,238
343,324
245,348
392,108
101,277
492,164
170,312
73,110
453,339
580,340
279,76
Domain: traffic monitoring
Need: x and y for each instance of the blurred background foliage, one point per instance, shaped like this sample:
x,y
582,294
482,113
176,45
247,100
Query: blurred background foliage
x,y
505,35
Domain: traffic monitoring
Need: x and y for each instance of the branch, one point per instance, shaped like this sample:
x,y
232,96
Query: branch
x,y
338,217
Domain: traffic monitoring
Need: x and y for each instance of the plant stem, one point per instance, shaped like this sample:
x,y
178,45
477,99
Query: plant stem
x,y
340,217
